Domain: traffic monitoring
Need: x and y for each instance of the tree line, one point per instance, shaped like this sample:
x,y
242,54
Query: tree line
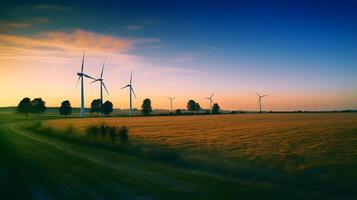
x,y
37,106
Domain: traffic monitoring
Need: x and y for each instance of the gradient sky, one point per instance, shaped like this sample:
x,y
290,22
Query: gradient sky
x,y
302,54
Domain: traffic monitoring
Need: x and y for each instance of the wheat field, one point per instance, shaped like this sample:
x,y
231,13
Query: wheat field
x,y
290,141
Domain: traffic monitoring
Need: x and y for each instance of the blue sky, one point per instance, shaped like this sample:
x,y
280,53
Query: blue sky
x,y
286,49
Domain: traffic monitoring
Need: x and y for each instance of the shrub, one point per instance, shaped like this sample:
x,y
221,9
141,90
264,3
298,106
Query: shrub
x,y
102,130
112,133
123,134
91,130
69,129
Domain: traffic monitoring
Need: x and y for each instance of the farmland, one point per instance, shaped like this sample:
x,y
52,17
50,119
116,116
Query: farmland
x,y
251,156
292,141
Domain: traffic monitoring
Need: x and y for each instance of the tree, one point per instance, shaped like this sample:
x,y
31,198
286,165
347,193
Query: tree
x,y
198,107
146,107
66,108
215,108
38,106
95,106
191,105
24,106
107,108
178,112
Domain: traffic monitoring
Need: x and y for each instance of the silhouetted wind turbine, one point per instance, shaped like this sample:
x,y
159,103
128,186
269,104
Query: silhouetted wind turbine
x,y
131,90
260,97
210,100
171,99
80,77
102,84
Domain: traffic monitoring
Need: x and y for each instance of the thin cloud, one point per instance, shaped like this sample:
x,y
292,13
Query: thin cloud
x,y
134,27
50,7
186,57
14,25
29,23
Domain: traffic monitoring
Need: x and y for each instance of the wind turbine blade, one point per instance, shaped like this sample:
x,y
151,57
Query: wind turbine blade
x,y
125,86
84,53
257,94
78,81
212,95
258,101
101,75
94,81
133,92
131,77
173,98
88,76
264,95
105,88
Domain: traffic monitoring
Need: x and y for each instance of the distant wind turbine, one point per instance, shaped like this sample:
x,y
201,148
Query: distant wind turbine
x,y
80,77
260,97
171,99
102,84
131,90
210,100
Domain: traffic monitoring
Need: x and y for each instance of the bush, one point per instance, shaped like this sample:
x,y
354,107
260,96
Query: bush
x,y
123,134
110,132
102,130
91,130
69,129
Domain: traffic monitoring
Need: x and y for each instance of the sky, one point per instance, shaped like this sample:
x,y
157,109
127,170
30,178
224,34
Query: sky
x,y
302,54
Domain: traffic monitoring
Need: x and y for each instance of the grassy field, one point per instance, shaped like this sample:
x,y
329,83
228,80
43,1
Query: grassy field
x,y
249,156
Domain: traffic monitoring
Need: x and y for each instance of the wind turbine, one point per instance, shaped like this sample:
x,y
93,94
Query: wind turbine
x,y
131,90
102,84
171,99
260,97
210,100
80,77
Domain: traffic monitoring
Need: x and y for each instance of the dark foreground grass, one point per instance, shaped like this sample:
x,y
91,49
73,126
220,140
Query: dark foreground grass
x,y
44,163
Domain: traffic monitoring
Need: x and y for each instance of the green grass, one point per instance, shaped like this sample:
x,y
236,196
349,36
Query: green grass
x,y
41,166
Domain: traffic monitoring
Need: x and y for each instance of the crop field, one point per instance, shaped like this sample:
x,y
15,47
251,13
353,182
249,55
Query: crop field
x,y
289,141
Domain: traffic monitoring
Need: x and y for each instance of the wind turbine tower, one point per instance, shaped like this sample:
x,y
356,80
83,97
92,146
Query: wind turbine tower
x,y
260,98
210,101
131,91
81,76
102,84
171,99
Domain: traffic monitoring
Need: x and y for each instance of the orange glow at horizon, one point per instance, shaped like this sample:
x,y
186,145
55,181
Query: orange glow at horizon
x,y
46,66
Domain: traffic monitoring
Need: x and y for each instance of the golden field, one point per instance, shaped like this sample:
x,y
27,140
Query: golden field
x,y
291,141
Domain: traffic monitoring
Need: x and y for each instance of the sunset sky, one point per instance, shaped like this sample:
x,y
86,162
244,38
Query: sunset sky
x,y
303,55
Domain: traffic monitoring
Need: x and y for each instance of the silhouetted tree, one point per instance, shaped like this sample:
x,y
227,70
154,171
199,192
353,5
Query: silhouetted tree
x,y
95,106
191,105
24,106
107,108
146,107
38,106
178,112
198,107
66,108
215,108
